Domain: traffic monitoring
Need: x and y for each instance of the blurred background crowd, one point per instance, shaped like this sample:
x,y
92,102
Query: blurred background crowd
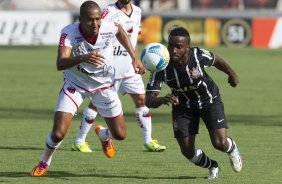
x,y
147,5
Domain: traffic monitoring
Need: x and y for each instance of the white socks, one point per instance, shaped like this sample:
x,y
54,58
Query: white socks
x,y
231,145
49,150
87,120
105,134
143,116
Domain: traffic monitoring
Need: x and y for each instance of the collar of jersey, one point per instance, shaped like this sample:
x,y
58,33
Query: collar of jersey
x,y
91,39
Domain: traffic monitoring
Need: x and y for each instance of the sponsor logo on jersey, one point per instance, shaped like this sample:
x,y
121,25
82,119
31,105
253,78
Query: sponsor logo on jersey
x,y
106,35
119,52
110,102
105,71
195,73
107,42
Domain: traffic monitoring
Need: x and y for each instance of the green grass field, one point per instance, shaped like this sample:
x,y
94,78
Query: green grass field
x,y
29,89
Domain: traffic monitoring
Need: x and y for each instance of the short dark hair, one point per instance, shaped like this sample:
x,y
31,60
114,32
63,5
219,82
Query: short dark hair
x,y
86,5
179,31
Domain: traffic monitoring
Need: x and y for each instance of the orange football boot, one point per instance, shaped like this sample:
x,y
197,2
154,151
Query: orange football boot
x,y
107,146
40,169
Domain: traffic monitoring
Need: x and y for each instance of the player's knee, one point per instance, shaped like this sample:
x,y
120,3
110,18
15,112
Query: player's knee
x,y
139,101
119,136
58,136
219,144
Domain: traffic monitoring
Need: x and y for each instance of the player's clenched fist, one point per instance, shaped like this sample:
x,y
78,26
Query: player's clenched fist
x,y
137,65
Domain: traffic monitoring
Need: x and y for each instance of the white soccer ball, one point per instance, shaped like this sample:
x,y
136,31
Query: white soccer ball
x,y
155,57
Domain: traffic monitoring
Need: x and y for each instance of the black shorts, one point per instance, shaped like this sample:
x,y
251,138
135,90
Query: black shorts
x,y
186,122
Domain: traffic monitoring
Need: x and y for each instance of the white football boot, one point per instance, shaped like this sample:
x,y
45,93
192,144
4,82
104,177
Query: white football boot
x,y
235,159
213,172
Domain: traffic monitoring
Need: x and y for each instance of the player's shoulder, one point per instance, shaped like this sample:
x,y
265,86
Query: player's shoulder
x,y
109,10
70,28
136,8
108,25
201,53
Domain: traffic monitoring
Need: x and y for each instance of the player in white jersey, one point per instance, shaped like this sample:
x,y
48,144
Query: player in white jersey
x,y
127,81
85,54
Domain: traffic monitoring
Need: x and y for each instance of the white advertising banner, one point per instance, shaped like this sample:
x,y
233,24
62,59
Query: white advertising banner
x,y
32,27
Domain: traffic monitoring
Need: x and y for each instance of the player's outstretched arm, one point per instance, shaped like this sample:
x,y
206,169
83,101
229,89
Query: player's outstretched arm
x,y
65,60
153,101
220,64
124,40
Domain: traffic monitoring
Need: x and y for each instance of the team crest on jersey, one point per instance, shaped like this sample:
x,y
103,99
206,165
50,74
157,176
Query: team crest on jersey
x,y
107,42
195,73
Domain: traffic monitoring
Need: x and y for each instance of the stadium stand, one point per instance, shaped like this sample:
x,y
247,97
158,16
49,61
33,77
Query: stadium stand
x,y
146,5
45,4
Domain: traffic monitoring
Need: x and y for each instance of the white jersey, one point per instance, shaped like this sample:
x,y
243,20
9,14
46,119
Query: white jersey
x,y
131,25
87,76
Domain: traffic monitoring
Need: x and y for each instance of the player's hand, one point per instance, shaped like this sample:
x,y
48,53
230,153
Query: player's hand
x,y
233,80
95,58
137,65
170,99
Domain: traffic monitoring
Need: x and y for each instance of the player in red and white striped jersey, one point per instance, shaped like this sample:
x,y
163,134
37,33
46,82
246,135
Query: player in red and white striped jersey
x,y
126,80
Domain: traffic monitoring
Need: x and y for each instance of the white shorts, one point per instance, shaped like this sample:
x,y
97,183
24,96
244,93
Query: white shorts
x,y
106,101
132,85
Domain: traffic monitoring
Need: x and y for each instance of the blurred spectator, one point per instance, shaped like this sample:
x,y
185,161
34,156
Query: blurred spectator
x,y
47,4
137,2
156,4
253,4
279,5
165,4
6,5
217,4
42,5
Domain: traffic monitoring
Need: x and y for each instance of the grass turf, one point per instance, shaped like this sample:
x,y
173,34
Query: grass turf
x,y
29,89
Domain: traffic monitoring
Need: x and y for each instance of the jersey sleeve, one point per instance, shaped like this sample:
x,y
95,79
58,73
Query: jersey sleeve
x,y
155,81
105,14
65,39
206,58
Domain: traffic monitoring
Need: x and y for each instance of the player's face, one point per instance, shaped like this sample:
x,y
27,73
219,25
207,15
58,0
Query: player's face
x,y
91,21
125,2
178,48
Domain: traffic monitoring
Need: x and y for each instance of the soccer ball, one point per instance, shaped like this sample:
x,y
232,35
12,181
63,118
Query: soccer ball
x,y
155,57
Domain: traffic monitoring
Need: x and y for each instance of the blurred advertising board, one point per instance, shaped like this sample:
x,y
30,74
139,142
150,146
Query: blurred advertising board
x,y
212,32
32,27
267,32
